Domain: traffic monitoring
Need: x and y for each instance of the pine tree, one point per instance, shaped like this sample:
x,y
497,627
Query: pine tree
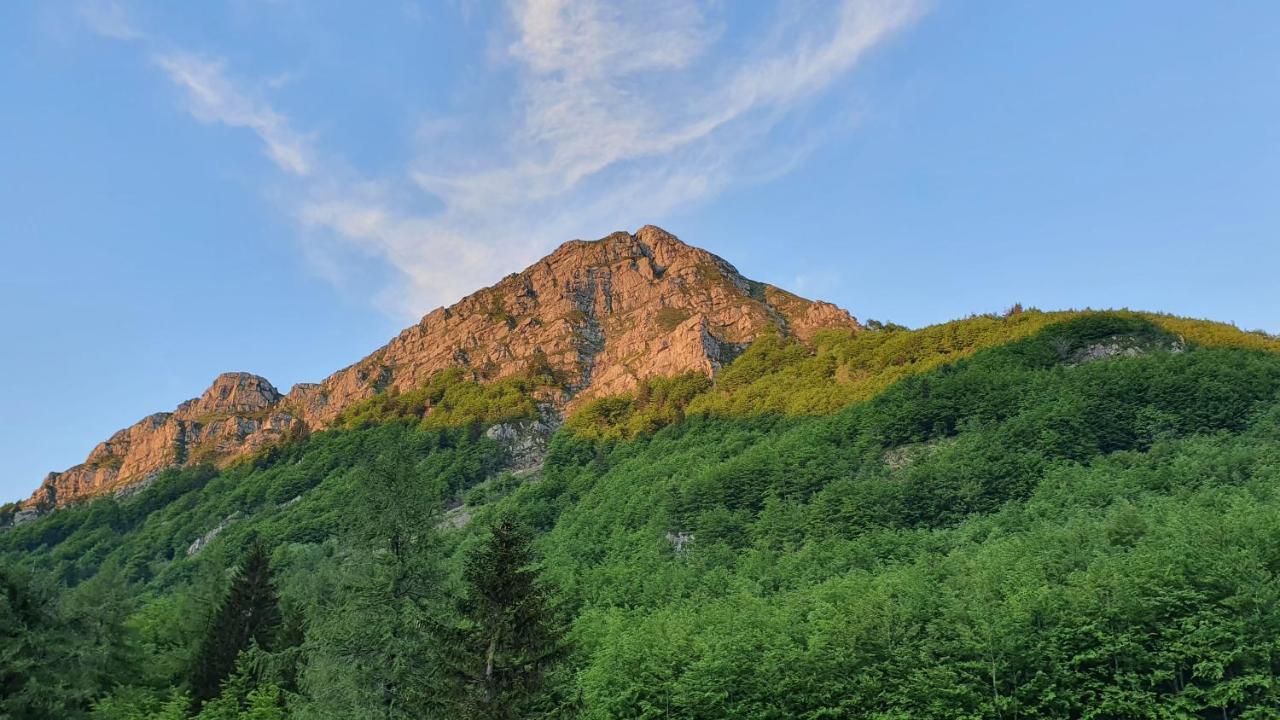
x,y
509,636
249,613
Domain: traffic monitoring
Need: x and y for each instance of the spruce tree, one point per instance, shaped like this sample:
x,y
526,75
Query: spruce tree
x,y
509,636
249,613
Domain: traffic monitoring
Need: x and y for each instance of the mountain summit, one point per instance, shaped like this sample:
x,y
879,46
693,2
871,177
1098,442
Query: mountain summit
x,y
598,315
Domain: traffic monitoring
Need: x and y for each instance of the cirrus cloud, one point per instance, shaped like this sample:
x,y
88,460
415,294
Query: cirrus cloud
x,y
622,112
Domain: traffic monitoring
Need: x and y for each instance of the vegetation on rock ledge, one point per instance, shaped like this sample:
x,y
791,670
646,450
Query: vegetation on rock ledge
x,y
787,377
449,399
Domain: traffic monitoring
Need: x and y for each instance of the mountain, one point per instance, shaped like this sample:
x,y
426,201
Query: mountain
x,y
1035,514
596,316
754,507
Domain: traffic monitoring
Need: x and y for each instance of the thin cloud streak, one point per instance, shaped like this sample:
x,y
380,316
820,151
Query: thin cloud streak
x,y
213,98
624,112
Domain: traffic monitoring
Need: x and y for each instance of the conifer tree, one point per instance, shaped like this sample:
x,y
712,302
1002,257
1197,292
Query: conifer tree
x,y
370,650
27,626
249,613
509,636
58,655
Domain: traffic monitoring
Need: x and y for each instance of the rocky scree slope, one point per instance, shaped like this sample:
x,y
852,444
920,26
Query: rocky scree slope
x,y
599,316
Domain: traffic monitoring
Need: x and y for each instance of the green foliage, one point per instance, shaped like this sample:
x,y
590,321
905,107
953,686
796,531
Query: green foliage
x,y
449,400
1215,334
819,548
26,628
656,403
243,697
1120,589
366,649
507,637
1041,515
7,511
57,655
148,535
132,703
248,615
785,376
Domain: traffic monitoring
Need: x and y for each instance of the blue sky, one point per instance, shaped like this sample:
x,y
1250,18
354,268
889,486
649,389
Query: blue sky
x,y
279,187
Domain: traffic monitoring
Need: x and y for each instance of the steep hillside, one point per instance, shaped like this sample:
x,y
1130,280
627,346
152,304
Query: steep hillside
x,y
837,367
591,319
1073,520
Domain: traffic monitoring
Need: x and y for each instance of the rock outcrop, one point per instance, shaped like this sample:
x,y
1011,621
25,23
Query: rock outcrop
x,y
239,413
203,541
526,441
1124,346
600,315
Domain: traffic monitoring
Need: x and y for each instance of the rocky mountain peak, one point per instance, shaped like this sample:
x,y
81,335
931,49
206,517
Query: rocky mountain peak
x,y
650,252
233,392
600,315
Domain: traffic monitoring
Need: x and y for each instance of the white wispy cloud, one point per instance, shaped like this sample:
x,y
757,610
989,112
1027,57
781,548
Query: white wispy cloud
x,y
624,111
213,98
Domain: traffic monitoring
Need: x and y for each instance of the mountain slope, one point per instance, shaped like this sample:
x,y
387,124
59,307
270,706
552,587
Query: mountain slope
x,y
1077,522
595,317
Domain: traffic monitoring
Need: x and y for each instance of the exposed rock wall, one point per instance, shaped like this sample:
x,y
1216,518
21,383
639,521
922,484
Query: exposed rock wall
x,y
526,441
239,413
602,315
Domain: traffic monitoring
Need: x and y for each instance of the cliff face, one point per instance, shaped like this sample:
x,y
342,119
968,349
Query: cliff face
x,y
601,314
239,413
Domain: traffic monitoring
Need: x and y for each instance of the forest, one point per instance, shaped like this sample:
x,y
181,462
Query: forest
x,y
1034,515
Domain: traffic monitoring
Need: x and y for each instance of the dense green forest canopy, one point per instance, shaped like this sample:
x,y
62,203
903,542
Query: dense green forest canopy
x,y
784,376
1069,515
